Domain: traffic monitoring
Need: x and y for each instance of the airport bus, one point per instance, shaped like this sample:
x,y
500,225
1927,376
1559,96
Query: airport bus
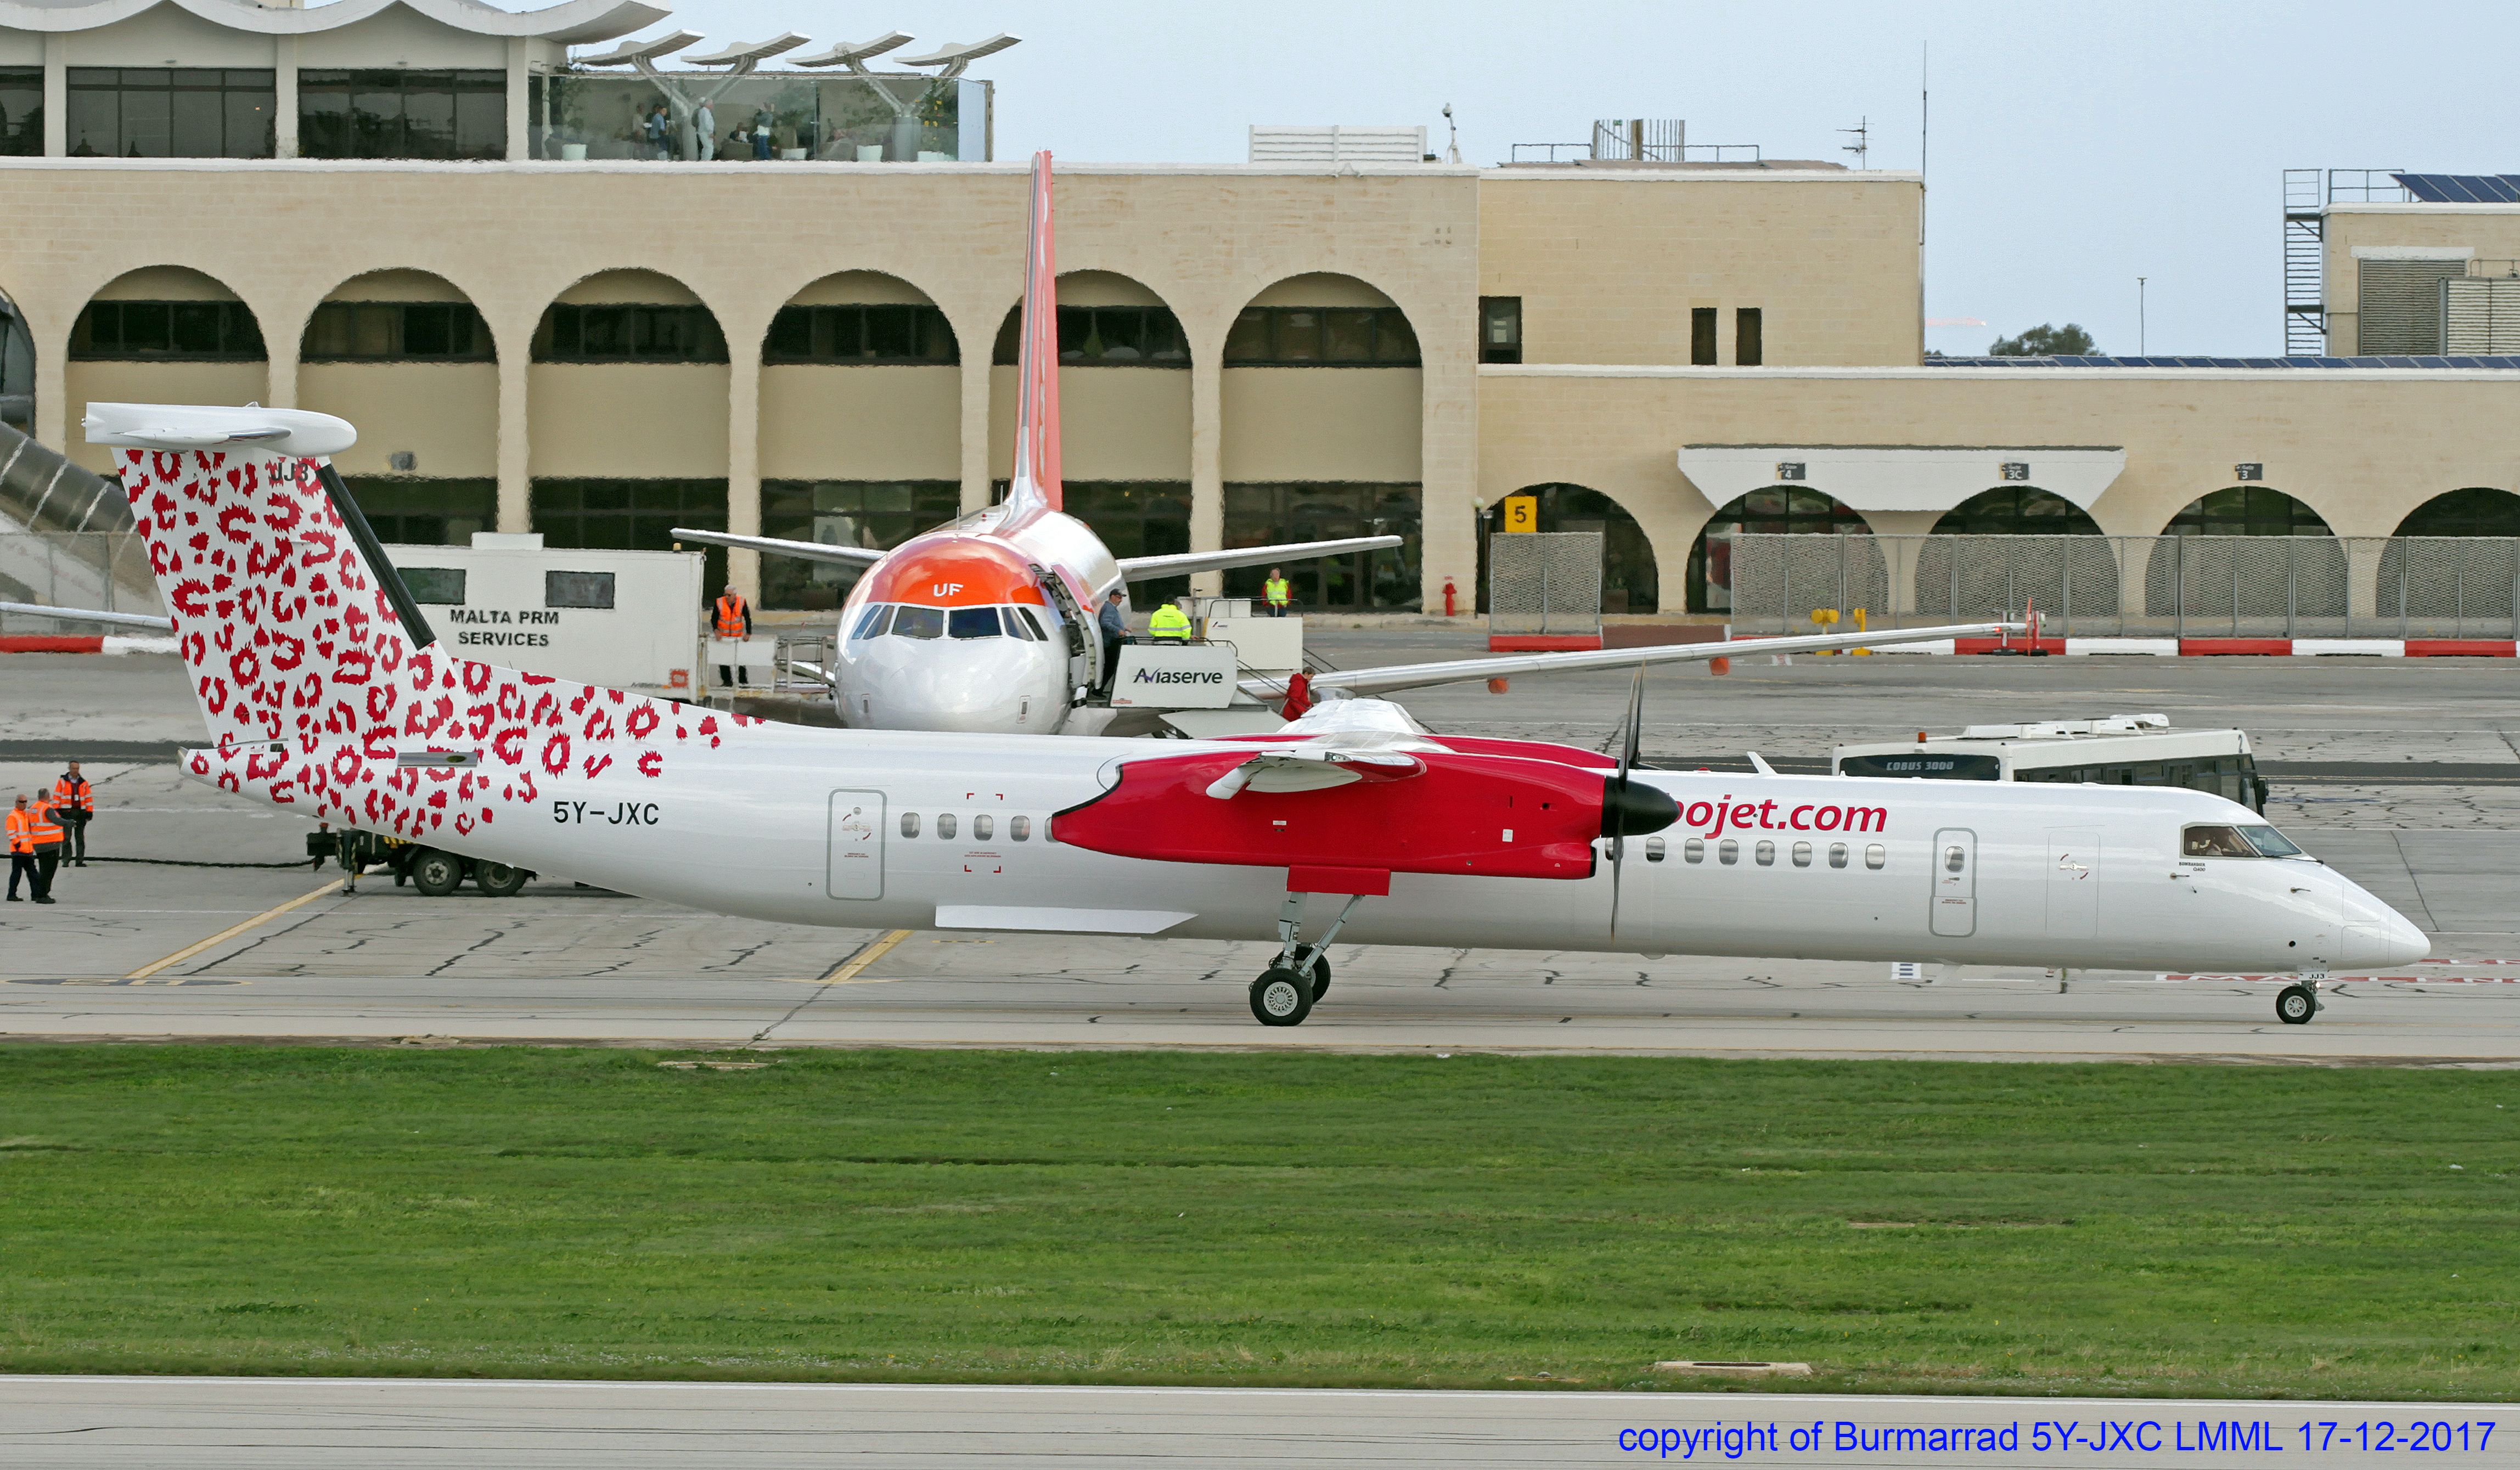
x,y
2121,751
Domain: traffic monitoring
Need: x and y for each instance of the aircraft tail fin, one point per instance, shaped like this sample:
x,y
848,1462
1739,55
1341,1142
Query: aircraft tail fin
x,y
324,690
1036,484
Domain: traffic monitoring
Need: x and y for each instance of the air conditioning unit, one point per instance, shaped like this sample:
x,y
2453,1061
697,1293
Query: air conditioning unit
x,y
1336,143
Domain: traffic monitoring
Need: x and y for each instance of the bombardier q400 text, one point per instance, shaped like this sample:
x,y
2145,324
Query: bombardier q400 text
x,y
328,695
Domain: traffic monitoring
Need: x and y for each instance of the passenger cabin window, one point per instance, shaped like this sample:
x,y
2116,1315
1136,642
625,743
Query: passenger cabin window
x,y
1837,855
1694,850
910,824
945,824
1875,855
982,826
974,622
1765,854
1728,852
919,622
1019,828
1955,859
1653,849
1802,854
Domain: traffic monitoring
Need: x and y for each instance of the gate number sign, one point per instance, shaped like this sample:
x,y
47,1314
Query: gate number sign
x,y
1523,513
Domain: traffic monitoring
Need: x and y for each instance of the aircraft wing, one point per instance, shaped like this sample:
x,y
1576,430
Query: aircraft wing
x,y
1146,568
82,615
807,551
1418,676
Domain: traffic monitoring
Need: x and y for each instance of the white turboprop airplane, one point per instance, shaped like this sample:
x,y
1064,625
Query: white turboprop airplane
x,y
328,695
987,624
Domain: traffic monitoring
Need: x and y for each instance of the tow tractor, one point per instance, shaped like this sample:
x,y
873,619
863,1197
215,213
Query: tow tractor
x,y
435,871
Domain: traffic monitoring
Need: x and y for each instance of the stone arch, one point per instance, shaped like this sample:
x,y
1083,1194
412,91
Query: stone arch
x,y
2470,511
1122,349
630,380
162,334
2453,561
2017,511
1630,578
2015,558
1786,510
2205,566
448,325
17,368
1320,423
860,427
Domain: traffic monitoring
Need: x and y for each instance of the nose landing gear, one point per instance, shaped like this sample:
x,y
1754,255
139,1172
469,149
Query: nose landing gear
x,y
1300,975
2297,1003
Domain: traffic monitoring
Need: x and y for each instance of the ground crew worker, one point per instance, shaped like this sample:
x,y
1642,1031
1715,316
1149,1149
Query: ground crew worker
x,y
734,620
1276,592
34,847
74,803
21,848
1169,624
1113,623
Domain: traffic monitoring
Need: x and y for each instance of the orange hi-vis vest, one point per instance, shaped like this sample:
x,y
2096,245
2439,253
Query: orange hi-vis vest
x,y
21,830
730,617
76,796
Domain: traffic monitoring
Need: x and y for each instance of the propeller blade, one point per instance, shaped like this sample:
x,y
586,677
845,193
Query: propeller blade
x,y
1636,724
1627,763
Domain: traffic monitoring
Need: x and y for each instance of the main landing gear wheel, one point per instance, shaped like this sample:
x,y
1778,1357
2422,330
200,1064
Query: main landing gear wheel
x,y
436,873
2295,1005
1321,977
1280,997
498,880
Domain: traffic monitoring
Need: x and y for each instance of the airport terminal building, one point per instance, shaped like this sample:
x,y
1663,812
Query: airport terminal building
x,y
556,296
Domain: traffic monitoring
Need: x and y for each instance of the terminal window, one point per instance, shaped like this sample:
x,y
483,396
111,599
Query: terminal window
x,y
177,331
1749,333
893,334
395,332
401,113
21,112
1701,337
1263,514
878,514
631,516
171,112
1105,337
1500,329
1321,336
425,512
628,334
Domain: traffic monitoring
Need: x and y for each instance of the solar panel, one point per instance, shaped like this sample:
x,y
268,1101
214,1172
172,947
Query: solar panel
x,y
2462,188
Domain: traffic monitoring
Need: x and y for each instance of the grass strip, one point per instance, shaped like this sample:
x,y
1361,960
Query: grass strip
x,y
1260,1219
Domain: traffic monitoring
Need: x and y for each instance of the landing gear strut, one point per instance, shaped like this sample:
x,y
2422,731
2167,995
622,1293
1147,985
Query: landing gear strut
x,y
1286,989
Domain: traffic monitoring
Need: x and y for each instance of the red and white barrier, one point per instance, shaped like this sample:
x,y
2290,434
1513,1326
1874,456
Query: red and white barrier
x,y
2226,648
59,642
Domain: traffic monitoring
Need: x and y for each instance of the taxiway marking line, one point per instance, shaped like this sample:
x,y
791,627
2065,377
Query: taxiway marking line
x,y
855,965
232,931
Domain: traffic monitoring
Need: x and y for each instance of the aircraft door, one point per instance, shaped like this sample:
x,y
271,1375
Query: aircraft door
x,y
1954,899
2073,883
856,860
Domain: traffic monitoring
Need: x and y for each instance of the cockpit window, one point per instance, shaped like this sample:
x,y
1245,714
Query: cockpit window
x,y
1030,625
2216,842
2269,842
870,622
919,622
975,622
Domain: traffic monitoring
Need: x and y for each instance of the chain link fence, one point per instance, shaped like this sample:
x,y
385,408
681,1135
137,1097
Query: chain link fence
x,y
1547,581
2137,586
101,571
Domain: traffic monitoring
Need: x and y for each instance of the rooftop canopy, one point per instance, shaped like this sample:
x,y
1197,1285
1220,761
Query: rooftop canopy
x,y
573,23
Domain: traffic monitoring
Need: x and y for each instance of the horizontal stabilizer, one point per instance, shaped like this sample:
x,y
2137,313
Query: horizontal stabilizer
x,y
177,425
1147,568
81,615
772,546
1418,676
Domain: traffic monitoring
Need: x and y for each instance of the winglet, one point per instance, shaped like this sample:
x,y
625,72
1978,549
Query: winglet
x,y
1036,484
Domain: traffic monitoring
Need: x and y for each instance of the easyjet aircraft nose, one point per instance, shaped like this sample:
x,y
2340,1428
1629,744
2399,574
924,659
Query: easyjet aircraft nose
x,y
951,632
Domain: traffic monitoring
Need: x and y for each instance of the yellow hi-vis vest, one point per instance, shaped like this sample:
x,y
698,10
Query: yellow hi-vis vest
x,y
1170,622
1276,591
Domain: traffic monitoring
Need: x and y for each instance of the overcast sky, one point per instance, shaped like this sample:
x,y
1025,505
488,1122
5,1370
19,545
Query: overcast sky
x,y
2074,146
